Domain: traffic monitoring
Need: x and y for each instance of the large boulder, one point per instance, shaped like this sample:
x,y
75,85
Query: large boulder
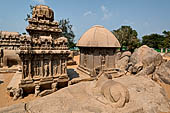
x,y
122,59
163,72
146,96
142,58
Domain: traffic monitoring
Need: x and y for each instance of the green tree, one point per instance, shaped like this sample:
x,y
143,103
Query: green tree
x,y
166,39
30,13
127,37
67,32
153,40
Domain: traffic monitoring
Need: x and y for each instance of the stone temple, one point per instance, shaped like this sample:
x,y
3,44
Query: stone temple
x,y
97,50
9,44
9,40
43,53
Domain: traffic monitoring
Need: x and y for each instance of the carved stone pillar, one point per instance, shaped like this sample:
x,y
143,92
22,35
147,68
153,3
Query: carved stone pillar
x,y
50,67
54,67
23,72
29,69
42,66
60,70
65,66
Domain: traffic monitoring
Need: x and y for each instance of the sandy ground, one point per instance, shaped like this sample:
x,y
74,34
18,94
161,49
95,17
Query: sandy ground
x,y
6,100
167,58
5,78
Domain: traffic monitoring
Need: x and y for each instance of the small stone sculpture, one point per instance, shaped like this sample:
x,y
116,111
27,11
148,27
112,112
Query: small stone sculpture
x,y
17,93
113,93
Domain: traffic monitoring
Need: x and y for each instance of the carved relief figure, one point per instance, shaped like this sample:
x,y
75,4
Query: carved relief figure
x,y
25,70
46,69
103,61
63,67
35,68
85,58
38,67
113,93
54,63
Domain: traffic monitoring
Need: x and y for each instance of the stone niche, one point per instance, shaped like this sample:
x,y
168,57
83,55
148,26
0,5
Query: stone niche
x,y
43,53
97,50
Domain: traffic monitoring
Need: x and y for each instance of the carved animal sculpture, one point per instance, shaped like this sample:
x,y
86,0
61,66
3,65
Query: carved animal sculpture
x,y
10,57
115,93
17,93
62,40
37,90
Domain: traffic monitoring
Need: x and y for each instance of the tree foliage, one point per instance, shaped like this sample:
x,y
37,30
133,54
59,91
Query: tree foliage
x,y
157,41
29,14
166,39
67,32
127,37
153,41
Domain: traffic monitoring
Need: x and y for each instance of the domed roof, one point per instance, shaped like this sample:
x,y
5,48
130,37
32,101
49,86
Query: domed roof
x,y
98,36
43,12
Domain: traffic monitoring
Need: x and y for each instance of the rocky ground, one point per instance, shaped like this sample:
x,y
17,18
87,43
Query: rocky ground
x,y
166,86
82,98
74,95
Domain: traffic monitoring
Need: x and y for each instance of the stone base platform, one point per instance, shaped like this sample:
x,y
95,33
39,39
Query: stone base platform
x,y
18,88
29,85
14,83
8,70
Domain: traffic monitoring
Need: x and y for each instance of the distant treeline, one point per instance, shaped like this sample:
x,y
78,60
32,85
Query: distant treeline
x,y
129,40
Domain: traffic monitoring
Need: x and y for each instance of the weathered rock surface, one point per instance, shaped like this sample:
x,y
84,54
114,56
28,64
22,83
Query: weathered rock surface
x,y
17,108
146,96
163,72
166,55
144,59
126,53
146,56
122,59
45,92
112,92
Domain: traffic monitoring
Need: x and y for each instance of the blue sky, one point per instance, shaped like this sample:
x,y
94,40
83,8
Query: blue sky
x,y
145,16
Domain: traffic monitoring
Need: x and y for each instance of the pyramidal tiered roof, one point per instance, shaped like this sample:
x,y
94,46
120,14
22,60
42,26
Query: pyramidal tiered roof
x,y
43,20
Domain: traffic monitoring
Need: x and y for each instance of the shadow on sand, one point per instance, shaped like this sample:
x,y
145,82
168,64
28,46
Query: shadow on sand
x,y
1,82
72,74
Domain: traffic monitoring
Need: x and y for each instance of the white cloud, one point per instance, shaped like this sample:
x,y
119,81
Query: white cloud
x,y
40,1
88,13
106,13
